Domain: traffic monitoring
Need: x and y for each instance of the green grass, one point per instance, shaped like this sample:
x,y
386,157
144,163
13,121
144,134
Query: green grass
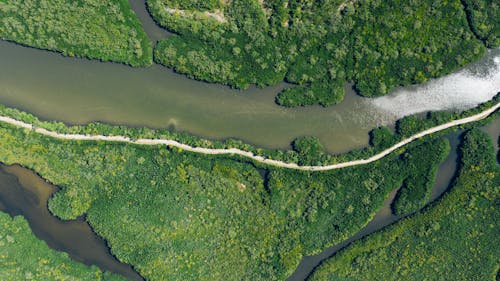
x,y
105,30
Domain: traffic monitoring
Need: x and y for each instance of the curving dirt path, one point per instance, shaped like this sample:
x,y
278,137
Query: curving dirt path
x,y
277,163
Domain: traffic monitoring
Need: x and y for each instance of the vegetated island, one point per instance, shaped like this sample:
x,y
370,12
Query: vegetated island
x,y
178,215
456,238
107,30
319,45
316,45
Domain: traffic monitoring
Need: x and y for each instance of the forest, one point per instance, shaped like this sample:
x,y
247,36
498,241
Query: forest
x,y
178,215
452,239
320,45
104,30
306,150
316,46
24,257
484,17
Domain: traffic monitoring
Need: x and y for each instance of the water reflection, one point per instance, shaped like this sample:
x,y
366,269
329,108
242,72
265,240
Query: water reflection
x,y
464,89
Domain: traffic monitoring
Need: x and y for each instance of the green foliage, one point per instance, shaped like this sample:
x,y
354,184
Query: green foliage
x,y
454,239
484,17
105,30
318,45
185,216
193,4
417,188
322,94
309,150
24,257
382,137
402,42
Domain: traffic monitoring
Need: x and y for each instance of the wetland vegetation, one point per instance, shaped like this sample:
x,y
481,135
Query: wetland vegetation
x,y
453,239
104,30
176,214
319,46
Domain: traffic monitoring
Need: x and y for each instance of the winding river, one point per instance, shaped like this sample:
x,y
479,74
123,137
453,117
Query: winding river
x,y
78,91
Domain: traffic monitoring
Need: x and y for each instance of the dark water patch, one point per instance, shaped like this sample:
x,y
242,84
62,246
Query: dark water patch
x,y
154,31
448,168
493,130
22,192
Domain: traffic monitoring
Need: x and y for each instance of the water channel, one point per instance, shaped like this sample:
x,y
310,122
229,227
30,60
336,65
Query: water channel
x,y
78,91
24,193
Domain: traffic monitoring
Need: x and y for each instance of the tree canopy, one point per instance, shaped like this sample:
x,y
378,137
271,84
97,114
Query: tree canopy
x,y
456,238
106,30
320,45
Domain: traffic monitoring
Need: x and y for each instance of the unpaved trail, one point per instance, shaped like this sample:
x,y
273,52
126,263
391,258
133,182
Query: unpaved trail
x,y
247,154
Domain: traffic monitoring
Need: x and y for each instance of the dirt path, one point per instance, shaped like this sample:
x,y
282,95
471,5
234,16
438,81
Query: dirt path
x,y
213,151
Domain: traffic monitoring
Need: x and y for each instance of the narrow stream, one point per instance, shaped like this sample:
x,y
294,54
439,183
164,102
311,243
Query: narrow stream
x,y
385,217
24,193
154,31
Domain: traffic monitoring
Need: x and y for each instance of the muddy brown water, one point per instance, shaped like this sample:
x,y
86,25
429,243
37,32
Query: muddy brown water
x,y
22,192
493,130
78,91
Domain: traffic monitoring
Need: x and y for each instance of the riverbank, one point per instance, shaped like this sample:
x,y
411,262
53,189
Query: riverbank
x,y
24,193
79,92
235,151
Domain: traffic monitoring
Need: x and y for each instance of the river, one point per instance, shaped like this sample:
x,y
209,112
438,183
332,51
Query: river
x,y
78,91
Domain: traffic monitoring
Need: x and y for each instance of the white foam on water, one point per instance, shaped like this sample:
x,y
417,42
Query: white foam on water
x,y
458,91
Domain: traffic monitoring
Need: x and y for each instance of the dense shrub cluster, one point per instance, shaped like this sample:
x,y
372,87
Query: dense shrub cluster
x,y
319,45
454,239
24,257
105,30
417,188
484,17
185,216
